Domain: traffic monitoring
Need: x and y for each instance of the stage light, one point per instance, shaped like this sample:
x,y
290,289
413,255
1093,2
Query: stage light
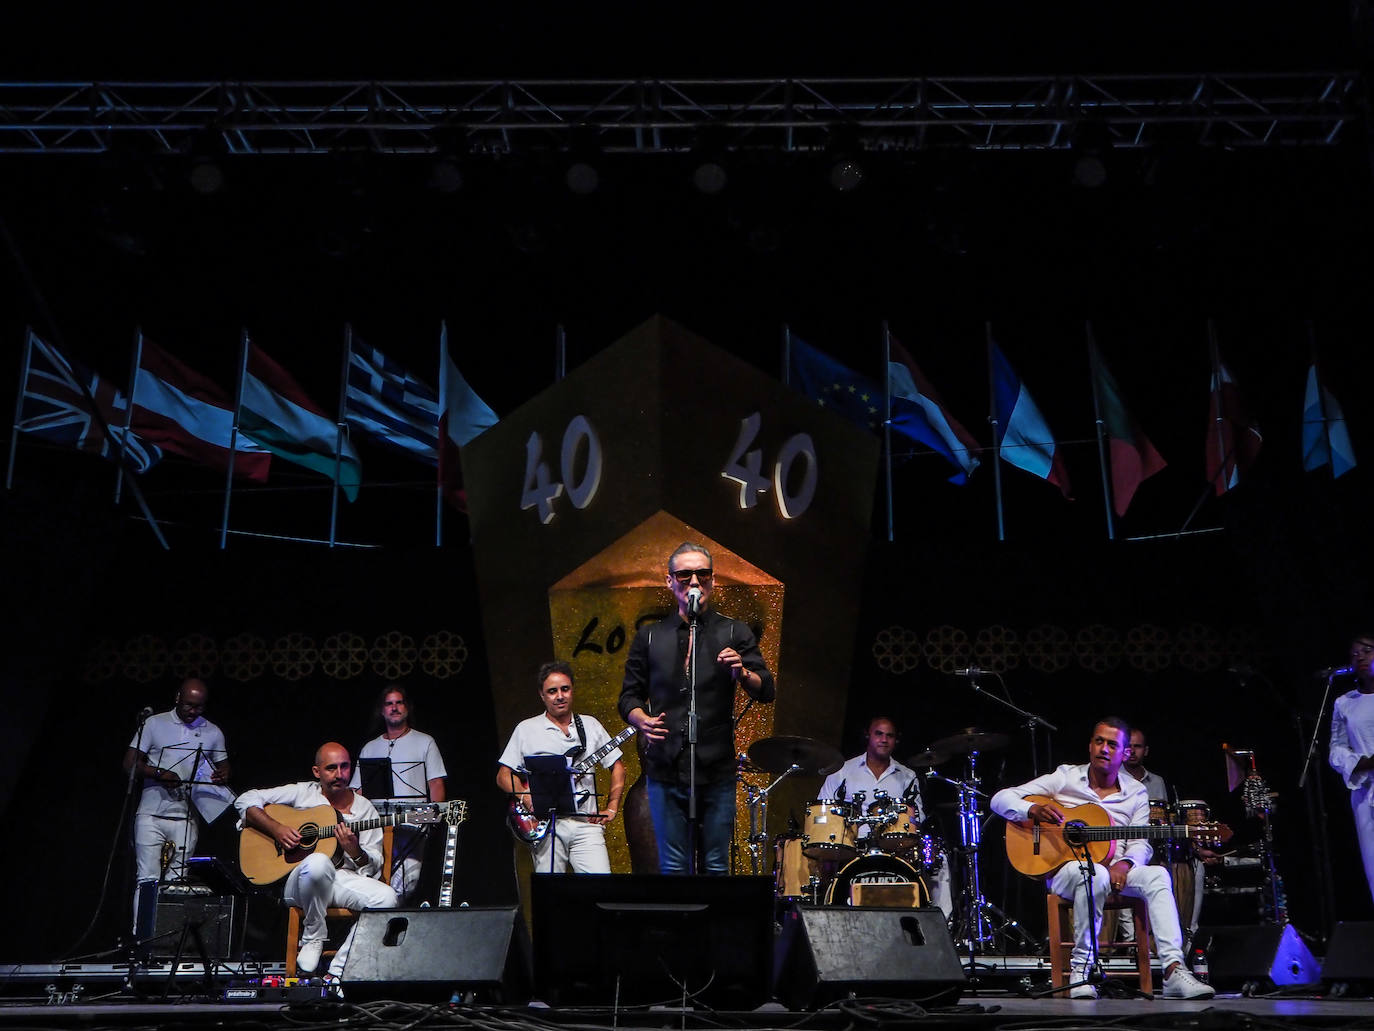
x,y
446,175
846,173
710,178
582,178
206,176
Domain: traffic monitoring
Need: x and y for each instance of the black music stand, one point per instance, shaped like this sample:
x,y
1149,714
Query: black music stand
x,y
551,791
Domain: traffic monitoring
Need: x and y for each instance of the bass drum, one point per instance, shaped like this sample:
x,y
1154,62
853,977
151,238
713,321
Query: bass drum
x,y
876,868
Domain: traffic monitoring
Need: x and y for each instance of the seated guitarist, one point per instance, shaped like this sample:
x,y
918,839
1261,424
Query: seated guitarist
x,y
1102,782
350,878
581,840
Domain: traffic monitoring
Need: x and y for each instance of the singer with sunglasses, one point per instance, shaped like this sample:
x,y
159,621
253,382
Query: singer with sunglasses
x,y
663,673
1352,746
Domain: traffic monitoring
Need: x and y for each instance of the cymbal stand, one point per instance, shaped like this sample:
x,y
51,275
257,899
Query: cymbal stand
x,y
757,801
977,923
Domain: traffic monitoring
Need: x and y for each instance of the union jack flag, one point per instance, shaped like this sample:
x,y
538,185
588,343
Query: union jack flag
x,y
55,406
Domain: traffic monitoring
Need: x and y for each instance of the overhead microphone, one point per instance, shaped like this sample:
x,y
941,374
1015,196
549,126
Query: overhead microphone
x,y
144,713
1334,671
694,601
972,671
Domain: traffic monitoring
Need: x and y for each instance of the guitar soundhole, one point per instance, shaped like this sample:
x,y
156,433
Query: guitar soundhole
x,y
310,834
1075,832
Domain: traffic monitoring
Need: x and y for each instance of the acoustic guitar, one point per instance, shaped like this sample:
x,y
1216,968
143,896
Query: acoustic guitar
x,y
263,861
1039,849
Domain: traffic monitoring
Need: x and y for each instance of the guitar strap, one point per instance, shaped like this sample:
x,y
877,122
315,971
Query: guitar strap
x,y
581,736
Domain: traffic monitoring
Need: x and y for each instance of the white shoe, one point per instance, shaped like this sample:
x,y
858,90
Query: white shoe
x,y
1181,984
1084,990
308,957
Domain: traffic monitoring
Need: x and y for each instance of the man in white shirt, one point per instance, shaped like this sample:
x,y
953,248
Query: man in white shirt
x,y
1352,746
875,770
351,879
417,775
1102,782
182,759
577,841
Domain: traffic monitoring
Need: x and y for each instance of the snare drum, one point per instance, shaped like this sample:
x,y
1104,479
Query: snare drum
x,y
828,832
796,877
878,869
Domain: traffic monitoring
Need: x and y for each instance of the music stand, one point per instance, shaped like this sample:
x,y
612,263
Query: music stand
x,y
551,791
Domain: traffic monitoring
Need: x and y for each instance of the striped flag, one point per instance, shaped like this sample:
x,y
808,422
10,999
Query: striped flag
x,y
1024,437
1325,436
1233,439
462,415
1132,457
918,412
55,404
383,400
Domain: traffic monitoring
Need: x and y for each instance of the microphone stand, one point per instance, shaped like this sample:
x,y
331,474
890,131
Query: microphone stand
x,y
693,829
1316,813
1031,719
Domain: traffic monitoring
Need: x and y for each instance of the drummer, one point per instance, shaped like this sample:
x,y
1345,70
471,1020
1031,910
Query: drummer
x,y
876,771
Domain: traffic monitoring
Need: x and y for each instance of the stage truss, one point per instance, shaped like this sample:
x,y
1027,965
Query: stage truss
x,y
668,116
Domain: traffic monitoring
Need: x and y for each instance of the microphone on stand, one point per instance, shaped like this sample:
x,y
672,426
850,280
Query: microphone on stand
x,y
144,713
694,601
972,671
1334,671
842,792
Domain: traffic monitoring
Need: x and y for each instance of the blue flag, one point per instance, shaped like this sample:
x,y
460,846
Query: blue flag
x,y
835,386
386,402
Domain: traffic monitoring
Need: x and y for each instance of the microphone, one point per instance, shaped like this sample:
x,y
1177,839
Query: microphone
x,y
1242,672
1334,671
971,671
144,713
694,601
842,792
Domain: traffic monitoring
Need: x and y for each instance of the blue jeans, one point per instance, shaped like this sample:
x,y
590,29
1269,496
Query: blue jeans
x,y
715,807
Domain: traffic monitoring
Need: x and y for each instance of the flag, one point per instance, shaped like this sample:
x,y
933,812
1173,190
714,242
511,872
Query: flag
x,y
918,412
54,406
462,415
835,386
276,412
1132,457
1022,433
1325,437
185,413
1233,440
385,401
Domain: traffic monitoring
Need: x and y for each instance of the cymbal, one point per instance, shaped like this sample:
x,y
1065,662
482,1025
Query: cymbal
x,y
930,757
780,754
970,739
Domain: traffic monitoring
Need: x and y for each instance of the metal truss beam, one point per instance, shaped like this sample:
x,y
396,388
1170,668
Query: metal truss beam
x,y
665,116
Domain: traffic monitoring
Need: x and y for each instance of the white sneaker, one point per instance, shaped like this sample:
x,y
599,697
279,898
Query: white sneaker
x,y
308,957
1181,984
1084,990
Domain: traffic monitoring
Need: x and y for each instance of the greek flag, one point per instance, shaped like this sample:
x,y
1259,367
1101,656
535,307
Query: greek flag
x,y
385,401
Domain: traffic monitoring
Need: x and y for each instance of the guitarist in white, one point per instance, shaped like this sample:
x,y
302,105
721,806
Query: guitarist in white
x,y
1101,782
316,882
580,840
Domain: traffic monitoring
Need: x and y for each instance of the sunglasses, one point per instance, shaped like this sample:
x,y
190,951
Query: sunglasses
x,y
684,576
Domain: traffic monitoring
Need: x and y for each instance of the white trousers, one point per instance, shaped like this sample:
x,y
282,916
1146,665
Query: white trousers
x,y
1150,883
407,848
150,834
578,844
315,885
1362,808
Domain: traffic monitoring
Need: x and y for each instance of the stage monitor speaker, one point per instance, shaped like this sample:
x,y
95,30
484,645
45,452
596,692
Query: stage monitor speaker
x,y
210,916
648,938
1349,965
828,952
1249,957
433,954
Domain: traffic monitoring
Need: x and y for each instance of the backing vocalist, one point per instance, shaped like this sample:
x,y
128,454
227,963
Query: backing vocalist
x,y
1352,746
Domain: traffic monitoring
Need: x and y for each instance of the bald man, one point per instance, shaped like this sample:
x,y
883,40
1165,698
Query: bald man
x,y
350,879
181,757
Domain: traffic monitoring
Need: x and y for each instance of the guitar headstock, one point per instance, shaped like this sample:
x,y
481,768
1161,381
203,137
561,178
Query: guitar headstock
x,y
455,812
429,812
1209,834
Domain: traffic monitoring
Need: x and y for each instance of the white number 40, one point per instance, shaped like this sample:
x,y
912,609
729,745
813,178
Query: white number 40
x,y
745,468
540,491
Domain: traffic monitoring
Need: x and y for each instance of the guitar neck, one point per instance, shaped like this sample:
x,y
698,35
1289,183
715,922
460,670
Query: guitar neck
x,y
585,764
360,825
450,865
1151,832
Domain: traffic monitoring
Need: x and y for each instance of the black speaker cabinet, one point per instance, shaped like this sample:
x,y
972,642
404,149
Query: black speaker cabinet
x,y
1350,957
1250,957
827,952
213,917
432,954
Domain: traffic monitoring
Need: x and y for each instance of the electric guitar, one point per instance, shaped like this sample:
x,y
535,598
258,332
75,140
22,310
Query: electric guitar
x,y
529,828
263,861
1039,849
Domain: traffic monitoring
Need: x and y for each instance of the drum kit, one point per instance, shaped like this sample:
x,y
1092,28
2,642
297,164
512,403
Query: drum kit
x,y
875,848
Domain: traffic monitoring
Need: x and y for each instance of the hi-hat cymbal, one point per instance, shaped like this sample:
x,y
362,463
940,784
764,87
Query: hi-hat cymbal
x,y
930,757
969,740
780,754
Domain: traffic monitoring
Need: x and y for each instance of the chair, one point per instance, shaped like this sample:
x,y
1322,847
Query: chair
x,y
1060,928
293,919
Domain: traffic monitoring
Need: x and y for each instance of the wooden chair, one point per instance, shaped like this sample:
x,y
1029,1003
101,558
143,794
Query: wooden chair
x,y
1060,928
294,913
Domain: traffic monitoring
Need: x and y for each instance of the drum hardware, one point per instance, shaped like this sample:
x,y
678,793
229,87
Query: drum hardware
x,y
876,868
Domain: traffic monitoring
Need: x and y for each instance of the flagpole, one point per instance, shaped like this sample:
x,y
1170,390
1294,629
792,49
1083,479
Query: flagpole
x,y
996,439
338,440
1093,362
1321,398
129,407
19,403
560,354
786,355
439,445
234,437
887,421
